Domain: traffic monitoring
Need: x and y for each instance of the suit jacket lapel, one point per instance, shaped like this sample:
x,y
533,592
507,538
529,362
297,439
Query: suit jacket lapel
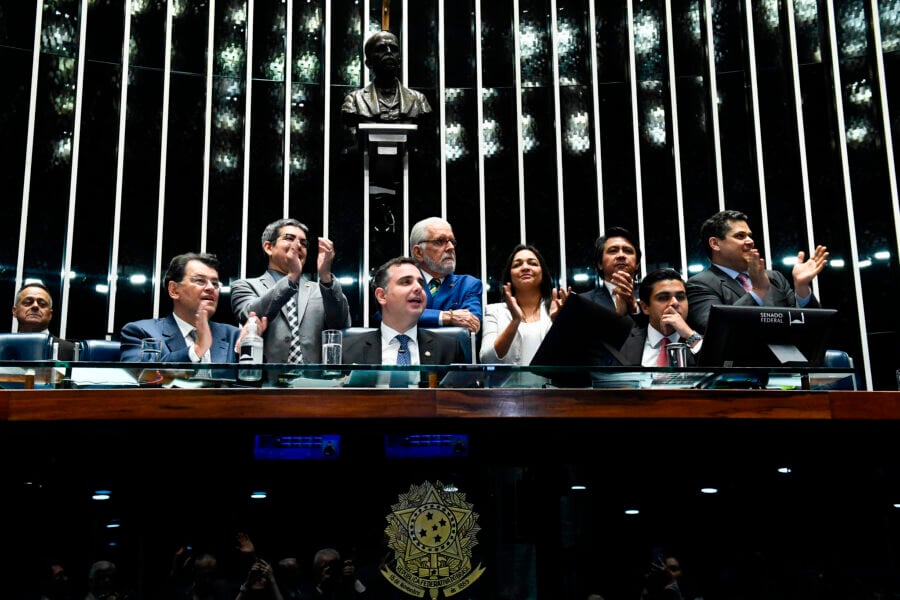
x,y
218,352
371,99
728,283
304,293
372,349
172,334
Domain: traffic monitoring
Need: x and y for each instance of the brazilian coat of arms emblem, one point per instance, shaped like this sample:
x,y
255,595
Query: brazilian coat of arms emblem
x,y
432,532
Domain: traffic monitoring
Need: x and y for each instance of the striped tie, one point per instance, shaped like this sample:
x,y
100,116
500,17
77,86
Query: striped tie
x,y
744,280
296,354
434,285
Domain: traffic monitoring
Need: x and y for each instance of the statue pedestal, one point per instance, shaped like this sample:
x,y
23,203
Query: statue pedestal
x,y
386,138
385,195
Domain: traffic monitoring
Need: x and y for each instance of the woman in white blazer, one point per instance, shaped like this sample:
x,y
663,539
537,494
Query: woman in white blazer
x,y
514,329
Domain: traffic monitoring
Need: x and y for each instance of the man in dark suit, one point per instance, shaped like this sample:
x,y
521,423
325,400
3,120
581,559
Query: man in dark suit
x,y
187,334
664,302
738,275
298,310
453,300
617,257
400,292
33,311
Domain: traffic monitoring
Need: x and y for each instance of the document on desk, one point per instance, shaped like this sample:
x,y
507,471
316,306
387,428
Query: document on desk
x,y
92,376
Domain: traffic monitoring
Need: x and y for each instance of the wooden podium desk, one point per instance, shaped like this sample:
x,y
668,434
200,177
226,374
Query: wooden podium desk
x,y
343,403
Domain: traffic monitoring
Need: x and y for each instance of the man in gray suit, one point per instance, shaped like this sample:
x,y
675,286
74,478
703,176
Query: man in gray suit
x,y
738,275
297,309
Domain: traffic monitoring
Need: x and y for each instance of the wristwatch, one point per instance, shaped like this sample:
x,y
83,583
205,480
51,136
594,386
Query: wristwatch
x,y
693,339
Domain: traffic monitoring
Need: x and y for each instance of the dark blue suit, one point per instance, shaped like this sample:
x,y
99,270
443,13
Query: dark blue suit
x,y
456,292
174,349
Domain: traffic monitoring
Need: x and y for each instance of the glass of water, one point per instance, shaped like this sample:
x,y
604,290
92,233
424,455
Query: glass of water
x,y
151,350
331,346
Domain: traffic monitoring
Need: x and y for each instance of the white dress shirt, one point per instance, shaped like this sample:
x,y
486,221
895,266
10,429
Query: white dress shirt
x,y
390,346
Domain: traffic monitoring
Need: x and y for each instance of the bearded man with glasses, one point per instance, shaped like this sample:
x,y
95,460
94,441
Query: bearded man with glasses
x,y
453,300
188,334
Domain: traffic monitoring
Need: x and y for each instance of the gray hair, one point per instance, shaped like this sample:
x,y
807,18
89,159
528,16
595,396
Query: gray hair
x,y
419,231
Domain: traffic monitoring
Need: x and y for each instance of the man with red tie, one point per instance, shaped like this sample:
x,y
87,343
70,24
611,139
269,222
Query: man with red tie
x,y
738,274
664,301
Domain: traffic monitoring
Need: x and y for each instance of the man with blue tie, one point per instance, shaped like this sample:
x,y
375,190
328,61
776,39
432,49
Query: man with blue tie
x,y
738,274
453,300
400,340
188,334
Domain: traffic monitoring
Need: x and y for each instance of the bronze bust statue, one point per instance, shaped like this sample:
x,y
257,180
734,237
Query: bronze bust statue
x,y
385,100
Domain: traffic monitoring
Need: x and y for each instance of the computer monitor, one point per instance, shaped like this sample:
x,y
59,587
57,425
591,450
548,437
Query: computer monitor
x,y
583,334
766,336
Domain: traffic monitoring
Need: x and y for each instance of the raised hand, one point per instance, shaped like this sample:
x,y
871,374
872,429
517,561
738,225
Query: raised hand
x,y
805,271
325,259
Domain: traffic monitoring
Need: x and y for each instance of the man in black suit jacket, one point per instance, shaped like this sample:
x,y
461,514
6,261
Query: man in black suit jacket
x,y
616,256
400,291
664,302
33,310
734,258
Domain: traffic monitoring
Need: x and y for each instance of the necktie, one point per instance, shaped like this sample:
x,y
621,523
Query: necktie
x,y
663,360
403,358
434,285
744,280
295,356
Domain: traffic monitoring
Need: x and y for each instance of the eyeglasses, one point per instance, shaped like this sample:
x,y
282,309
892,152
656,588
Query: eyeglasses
x,y
201,281
290,237
440,242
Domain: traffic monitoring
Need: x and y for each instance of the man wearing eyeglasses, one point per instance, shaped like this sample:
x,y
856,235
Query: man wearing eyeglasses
x,y
453,300
298,309
188,334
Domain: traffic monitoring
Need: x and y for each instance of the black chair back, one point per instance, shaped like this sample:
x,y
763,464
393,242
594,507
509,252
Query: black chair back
x,y
25,346
100,350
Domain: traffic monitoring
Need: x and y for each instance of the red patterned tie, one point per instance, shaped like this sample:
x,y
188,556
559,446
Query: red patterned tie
x,y
744,280
663,360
